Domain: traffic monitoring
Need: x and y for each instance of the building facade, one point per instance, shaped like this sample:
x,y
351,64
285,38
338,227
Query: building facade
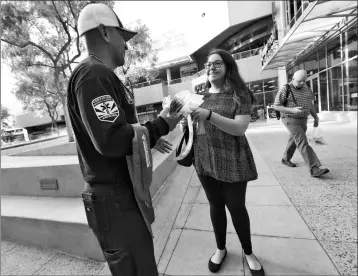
x,y
251,24
321,38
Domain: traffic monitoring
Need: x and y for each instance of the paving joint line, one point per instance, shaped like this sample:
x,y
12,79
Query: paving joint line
x,y
258,235
176,216
12,248
298,211
56,255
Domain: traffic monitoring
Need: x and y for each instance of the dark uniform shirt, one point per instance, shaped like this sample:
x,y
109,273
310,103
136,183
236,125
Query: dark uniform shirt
x,y
230,156
102,110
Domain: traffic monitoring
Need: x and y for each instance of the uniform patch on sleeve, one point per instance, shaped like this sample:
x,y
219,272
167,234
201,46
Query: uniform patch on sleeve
x,y
105,108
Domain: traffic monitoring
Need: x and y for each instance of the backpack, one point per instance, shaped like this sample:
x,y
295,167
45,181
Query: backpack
x,y
288,91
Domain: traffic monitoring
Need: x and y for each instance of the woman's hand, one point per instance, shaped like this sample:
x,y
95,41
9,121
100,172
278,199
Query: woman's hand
x,y
200,114
184,122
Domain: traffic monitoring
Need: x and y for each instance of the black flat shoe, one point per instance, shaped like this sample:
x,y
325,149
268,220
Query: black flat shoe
x,y
254,272
213,267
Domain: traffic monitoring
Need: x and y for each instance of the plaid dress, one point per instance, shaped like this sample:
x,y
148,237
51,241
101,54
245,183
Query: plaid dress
x,y
229,157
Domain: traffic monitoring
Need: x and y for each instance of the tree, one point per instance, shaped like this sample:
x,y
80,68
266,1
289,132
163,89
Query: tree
x,y
43,34
37,91
140,58
5,113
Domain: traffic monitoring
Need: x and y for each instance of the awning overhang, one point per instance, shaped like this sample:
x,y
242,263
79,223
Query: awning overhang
x,y
318,19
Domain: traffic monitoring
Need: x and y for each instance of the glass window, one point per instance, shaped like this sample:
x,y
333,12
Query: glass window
x,y
350,76
334,52
311,64
335,89
314,89
300,66
256,86
289,74
323,91
260,101
270,84
295,68
270,98
322,58
350,39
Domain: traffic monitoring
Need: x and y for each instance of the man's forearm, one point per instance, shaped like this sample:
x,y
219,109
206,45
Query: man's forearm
x,y
282,108
313,111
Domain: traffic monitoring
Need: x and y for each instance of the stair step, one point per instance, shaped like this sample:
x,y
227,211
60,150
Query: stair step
x,y
48,222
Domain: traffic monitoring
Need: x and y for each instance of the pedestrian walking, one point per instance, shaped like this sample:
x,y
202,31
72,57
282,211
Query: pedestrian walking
x,y
295,101
103,117
222,156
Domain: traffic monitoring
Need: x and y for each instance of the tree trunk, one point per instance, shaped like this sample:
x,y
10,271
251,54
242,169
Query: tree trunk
x,y
51,112
71,137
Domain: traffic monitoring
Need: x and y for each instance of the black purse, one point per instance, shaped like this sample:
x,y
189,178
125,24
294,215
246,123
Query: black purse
x,y
188,160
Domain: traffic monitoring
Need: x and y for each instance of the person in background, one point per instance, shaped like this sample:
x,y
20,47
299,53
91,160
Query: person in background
x,y
295,109
102,113
226,164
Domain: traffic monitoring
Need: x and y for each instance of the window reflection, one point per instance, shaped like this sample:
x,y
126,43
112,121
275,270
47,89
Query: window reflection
x,y
311,64
334,52
323,91
350,77
322,58
335,89
270,85
350,43
256,86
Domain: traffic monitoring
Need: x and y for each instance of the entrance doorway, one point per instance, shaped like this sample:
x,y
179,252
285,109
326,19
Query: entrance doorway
x,y
312,83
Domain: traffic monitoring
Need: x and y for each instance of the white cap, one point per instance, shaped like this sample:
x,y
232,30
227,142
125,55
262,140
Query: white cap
x,y
95,14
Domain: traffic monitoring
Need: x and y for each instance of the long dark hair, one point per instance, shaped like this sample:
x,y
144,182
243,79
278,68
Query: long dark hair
x,y
233,80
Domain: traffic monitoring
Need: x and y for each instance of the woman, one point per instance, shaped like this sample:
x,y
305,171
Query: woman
x,y
223,160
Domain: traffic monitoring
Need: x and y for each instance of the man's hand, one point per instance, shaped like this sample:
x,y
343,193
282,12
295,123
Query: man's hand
x,y
163,146
296,110
172,122
316,122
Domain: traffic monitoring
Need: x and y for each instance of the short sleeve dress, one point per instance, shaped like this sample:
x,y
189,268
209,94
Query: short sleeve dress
x,y
230,157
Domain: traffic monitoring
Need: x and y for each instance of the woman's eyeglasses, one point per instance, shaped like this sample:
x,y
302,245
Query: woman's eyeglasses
x,y
215,64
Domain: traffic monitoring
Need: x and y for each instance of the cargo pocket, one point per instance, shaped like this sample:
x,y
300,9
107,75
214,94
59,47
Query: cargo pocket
x,y
96,213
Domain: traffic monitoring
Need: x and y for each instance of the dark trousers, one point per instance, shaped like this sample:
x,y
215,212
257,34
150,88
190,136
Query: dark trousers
x,y
298,140
232,195
116,221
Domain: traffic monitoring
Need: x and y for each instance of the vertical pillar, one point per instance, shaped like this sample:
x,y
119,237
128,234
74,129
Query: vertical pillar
x,y
289,13
295,9
281,19
282,76
169,76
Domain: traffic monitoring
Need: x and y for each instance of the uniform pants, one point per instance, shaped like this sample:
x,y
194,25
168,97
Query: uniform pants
x,y
232,195
298,140
118,224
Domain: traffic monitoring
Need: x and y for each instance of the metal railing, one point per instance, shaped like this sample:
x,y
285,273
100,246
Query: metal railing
x,y
147,83
298,14
272,43
248,53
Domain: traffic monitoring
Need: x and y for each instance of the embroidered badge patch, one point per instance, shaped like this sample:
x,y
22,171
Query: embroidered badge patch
x,y
105,108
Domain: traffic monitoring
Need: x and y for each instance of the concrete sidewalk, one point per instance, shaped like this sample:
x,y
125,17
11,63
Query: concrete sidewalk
x,y
281,239
184,239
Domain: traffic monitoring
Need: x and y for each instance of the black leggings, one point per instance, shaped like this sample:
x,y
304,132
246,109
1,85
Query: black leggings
x,y
232,195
